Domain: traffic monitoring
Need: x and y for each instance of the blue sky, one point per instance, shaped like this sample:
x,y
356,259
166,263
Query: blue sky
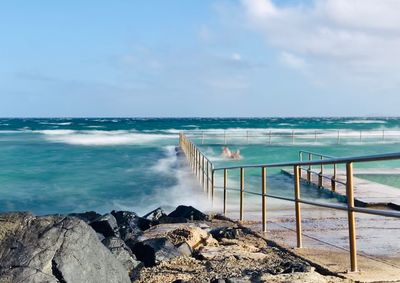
x,y
199,58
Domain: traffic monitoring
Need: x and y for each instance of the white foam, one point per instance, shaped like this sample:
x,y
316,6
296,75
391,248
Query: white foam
x,y
101,138
364,122
58,124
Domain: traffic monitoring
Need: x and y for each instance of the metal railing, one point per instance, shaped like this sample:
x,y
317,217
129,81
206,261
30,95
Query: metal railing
x,y
196,160
321,173
292,135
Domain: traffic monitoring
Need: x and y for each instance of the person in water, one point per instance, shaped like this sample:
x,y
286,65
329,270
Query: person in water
x,y
228,154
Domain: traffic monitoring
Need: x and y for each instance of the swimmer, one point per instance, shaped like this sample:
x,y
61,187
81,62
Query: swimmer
x,y
226,152
236,155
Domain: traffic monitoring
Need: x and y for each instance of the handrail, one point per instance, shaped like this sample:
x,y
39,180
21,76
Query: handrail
x,y
340,160
196,159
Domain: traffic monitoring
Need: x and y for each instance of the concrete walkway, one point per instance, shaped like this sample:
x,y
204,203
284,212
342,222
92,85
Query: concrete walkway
x,y
366,193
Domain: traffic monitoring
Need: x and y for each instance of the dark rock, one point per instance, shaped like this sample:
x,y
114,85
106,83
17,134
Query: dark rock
x,y
87,216
227,232
188,212
153,251
130,226
156,214
122,253
54,249
169,220
106,225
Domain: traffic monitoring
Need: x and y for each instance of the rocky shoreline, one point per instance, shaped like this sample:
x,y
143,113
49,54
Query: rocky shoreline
x,y
183,246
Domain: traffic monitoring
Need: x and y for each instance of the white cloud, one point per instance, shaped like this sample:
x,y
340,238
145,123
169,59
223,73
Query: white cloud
x,y
293,61
358,38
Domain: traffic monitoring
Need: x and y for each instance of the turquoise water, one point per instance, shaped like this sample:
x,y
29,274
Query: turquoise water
x,y
66,165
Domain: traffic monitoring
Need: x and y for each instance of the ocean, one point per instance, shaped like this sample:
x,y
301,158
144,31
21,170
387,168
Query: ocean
x,y
64,165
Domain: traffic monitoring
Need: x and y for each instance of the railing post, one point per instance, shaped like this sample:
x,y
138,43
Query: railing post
x,y
301,159
333,180
351,216
309,169
224,136
297,205
212,185
264,198
269,137
208,176
241,192
225,186
320,175
383,135
202,169
292,136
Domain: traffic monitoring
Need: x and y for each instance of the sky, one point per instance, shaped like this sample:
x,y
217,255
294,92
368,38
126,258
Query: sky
x,y
199,58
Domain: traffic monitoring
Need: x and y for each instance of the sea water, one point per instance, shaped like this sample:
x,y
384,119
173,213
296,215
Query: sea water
x,y
67,165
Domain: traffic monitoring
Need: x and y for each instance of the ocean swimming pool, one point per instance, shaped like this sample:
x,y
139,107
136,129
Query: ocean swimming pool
x,y
68,165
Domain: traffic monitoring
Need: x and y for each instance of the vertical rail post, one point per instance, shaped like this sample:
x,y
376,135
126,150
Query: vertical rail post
x,y
309,169
264,198
241,192
297,205
203,171
320,175
212,185
301,159
225,137
351,216
292,136
383,135
225,186
208,176
333,180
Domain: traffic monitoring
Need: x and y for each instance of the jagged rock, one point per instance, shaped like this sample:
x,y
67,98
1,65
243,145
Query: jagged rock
x,y
156,214
106,225
87,216
227,232
54,249
154,251
188,212
130,225
194,236
122,252
185,249
166,219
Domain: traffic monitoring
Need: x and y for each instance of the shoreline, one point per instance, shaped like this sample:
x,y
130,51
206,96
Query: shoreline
x,y
185,245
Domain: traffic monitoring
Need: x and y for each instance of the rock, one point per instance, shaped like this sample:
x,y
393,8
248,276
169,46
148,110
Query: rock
x,y
185,249
194,236
130,225
54,249
106,225
122,253
188,212
227,232
156,214
166,220
154,251
87,216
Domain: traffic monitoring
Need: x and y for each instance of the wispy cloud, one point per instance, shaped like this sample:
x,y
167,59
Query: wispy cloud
x,y
358,38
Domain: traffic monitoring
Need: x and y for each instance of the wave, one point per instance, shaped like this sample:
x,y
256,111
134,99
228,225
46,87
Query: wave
x,y
57,124
364,122
101,138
